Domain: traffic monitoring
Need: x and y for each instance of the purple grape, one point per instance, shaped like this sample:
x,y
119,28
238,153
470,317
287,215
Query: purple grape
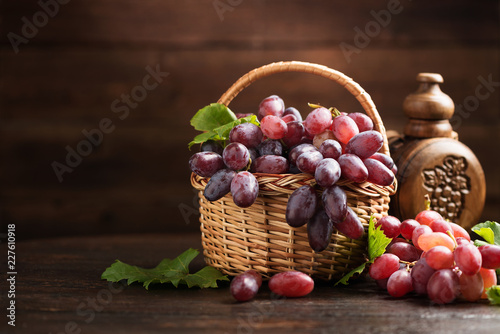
x,y
236,156
212,146
383,158
319,231
270,147
294,112
308,161
272,164
378,173
244,287
301,206
219,184
351,226
352,168
365,144
298,150
245,189
335,203
331,148
294,134
327,172
205,164
247,134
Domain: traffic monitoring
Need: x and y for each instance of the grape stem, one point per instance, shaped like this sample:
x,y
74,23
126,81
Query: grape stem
x,y
452,237
427,202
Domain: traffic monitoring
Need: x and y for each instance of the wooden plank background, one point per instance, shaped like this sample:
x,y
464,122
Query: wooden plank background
x,y
85,54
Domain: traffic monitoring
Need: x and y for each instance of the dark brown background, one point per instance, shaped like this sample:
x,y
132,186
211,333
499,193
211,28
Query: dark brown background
x,y
65,78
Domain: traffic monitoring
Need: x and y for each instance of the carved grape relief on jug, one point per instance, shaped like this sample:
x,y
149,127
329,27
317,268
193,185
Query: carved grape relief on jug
x,y
448,186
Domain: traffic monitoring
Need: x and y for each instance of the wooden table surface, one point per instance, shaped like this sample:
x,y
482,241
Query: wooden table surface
x,y
59,290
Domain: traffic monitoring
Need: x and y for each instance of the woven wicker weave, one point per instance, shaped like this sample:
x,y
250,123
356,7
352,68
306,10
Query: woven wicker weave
x,y
237,239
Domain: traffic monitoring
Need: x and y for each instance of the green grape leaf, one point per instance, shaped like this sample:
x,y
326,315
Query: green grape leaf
x,y
377,241
489,231
216,121
357,270
493,294
377,244
174,271
212,116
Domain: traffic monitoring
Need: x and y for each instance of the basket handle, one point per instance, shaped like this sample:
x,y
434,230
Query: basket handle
x,y
297,66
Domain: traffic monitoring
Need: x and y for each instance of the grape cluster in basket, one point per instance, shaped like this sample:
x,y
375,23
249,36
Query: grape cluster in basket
x,y
435,257
329,145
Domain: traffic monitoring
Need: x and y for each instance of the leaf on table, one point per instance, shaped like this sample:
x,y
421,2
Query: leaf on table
x,y
493,294
357,270
489,231
174,271
377,241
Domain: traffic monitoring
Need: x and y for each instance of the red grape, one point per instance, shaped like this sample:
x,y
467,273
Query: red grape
x,y
400,283
489,279
427,216
443,286
471,286
491,256
428,240
440,257
271,105
318,120
468,259
405,251
418,232
407,227
384,266
420,274
440,225
344,128
459,231
273,127
291,284
390,225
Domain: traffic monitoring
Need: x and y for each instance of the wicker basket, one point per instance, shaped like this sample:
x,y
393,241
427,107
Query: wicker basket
x,y
237,239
